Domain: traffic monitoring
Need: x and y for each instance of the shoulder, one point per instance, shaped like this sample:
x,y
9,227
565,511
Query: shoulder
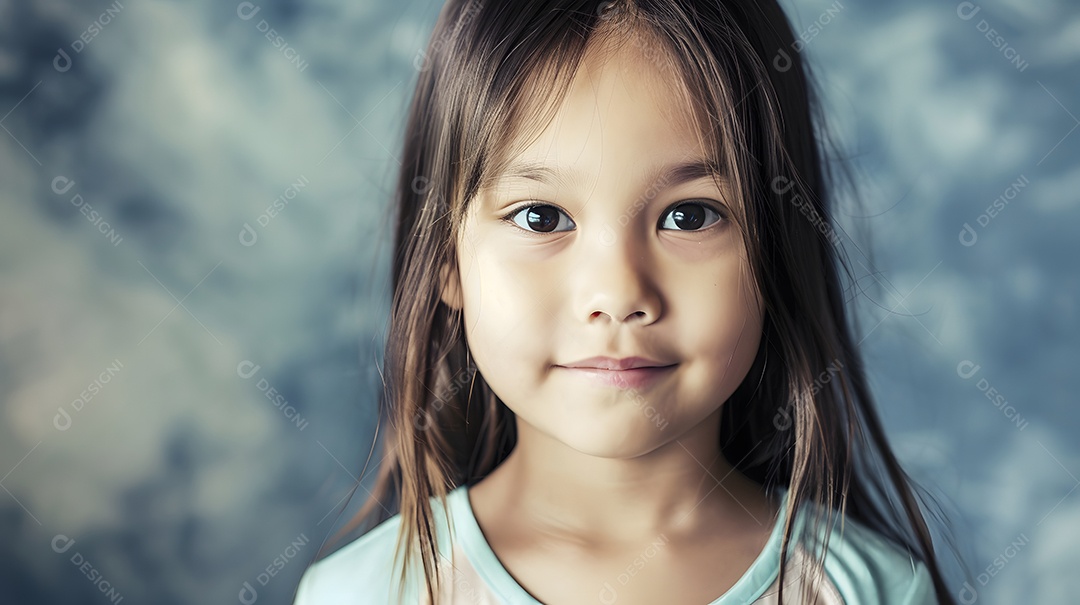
x,y
866,567
362,567
367,569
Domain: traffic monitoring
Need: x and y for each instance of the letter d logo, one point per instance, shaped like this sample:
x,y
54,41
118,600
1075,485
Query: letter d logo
x,y
247,236
782,62
247,369
968,594
62,543
608,594
967,236
967,10
62,420
62,62
248,594
781,185
62,184
966,369
247,10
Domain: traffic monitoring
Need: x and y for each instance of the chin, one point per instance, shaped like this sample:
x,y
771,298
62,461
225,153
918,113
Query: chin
x,y
623,442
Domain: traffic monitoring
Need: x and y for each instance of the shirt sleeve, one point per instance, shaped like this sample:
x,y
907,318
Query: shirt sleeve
x,y
865,567
362,569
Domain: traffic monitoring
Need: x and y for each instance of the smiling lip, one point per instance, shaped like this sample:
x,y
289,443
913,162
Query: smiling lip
x,y
629,372
610,363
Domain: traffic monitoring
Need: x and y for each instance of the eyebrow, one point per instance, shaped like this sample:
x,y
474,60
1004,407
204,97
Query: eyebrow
x,y
667,176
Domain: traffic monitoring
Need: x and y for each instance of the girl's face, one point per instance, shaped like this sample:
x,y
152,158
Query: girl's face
x,y
622,254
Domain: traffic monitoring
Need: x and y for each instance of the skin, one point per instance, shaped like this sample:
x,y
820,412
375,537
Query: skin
x,y
600,473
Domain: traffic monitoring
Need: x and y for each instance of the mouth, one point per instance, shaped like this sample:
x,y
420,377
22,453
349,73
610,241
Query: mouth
x,y
630,378
611,363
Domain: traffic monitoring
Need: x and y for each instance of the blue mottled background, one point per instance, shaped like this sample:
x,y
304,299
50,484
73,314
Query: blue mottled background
x,y
193,257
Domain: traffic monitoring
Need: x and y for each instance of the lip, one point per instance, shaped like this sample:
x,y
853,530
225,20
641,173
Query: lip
x,y
627,373
611,363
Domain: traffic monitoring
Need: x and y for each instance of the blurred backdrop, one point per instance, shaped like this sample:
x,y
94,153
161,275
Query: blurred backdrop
x,y
193,259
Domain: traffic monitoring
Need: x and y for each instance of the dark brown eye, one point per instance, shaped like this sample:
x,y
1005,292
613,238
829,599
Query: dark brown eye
x,y
690,216
541,219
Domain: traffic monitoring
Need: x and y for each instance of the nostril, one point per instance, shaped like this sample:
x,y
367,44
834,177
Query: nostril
x,y
634,315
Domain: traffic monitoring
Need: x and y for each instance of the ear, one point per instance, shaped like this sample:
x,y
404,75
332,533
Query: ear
x,y
450,287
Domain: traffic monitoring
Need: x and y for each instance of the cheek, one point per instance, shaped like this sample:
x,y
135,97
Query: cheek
x,y
505,317
722,318
493,292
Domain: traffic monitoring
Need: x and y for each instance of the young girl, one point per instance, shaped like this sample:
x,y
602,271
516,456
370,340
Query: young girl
x,y
619,366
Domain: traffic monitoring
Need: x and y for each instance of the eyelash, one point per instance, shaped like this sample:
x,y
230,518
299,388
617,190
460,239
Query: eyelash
x,y
717,208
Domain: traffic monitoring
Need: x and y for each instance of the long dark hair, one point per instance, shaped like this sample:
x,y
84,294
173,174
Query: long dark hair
x,y
804,416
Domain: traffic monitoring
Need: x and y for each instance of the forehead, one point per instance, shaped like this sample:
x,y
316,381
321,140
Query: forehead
x,y
625,106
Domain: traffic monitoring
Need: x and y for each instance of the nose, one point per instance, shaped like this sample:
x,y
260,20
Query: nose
x,y
616,282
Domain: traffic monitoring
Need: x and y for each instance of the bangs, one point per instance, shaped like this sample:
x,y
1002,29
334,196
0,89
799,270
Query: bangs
x,y
536,92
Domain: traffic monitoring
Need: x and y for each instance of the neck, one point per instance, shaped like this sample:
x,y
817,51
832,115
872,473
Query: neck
x,y
683,488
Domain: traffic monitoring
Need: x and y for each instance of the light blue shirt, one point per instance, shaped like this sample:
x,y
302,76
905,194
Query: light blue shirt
x,y
861,567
